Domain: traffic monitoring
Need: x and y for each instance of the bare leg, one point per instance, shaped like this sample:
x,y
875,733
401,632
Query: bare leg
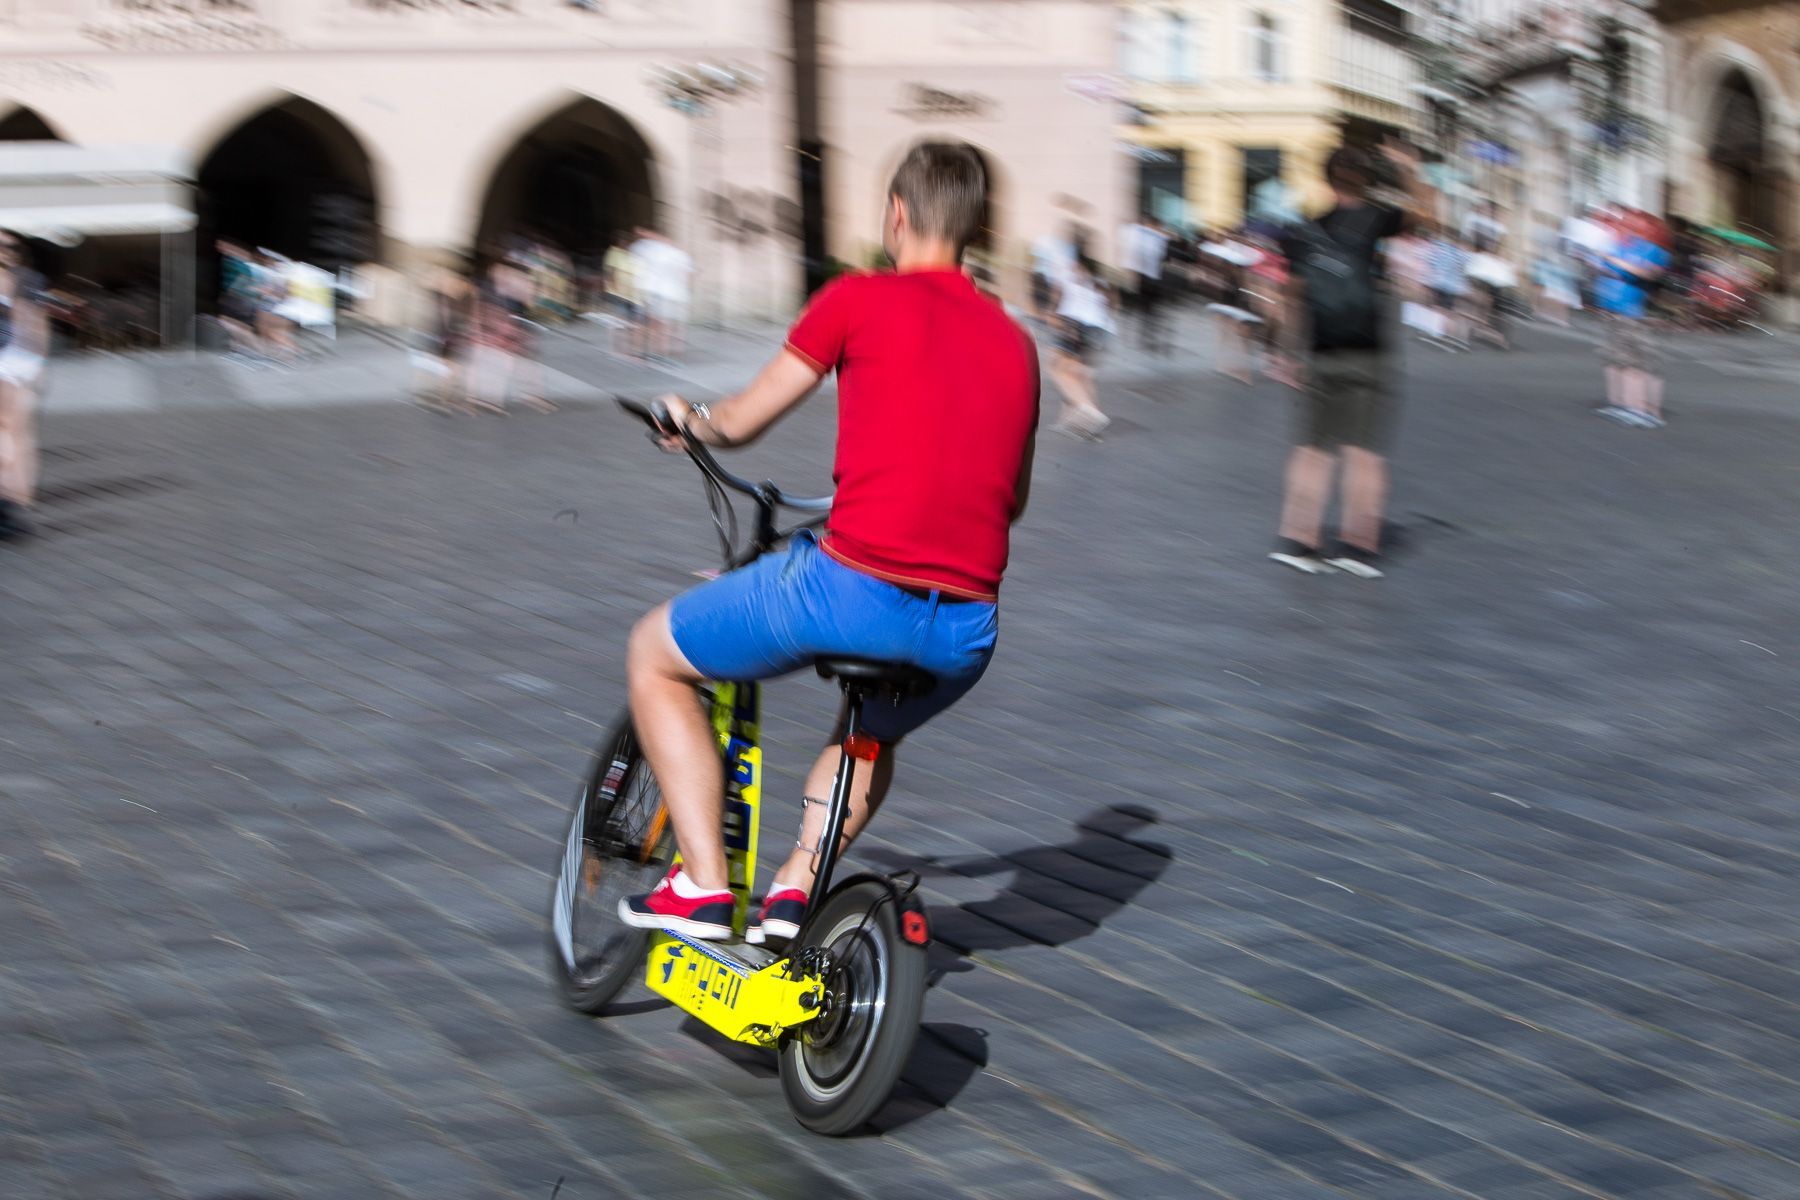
x,y
1308,486
673,732
1076,384
867,790
1365,490
1234,352
16,445
1653,394
1615,386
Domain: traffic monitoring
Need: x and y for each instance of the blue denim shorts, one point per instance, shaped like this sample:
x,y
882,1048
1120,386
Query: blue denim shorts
x,y
785,610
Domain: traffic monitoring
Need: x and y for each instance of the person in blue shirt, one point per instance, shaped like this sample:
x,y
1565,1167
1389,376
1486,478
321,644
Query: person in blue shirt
x,y
1627,273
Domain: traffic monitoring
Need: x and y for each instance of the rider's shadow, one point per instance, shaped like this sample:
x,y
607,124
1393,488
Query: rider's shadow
x,y
1056,894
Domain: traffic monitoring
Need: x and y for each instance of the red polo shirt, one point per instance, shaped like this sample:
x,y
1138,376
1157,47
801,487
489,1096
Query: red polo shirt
x,y
937,402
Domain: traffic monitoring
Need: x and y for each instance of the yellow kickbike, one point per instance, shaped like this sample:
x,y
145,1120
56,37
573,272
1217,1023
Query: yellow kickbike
x,y
840,1004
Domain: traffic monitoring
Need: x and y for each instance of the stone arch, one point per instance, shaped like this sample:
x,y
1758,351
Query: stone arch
x,y
576,175
24,124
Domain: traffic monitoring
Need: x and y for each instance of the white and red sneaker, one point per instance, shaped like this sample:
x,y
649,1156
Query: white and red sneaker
x,y
706,916
779,917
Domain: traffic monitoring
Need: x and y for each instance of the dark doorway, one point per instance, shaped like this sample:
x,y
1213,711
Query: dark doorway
x,y
576,180
24,125
295,180
1740,152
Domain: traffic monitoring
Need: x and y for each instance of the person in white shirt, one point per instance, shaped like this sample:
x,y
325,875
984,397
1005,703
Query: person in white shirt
x,y
1494,278
1083,320
1142,245
665,274
1052,255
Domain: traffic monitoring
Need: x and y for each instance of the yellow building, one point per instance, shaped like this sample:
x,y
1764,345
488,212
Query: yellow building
x,y
1236,103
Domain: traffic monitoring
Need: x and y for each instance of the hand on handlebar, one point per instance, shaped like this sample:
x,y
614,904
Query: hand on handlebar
x,y
672,414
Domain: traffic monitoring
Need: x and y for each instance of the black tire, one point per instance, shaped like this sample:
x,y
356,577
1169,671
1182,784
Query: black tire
x,y
618,844
839,1068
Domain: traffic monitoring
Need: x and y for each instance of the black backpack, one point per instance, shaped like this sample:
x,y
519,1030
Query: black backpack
x,y
1338,270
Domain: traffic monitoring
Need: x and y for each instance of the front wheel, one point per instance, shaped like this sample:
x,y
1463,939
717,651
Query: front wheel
x,y
840,1067
618,844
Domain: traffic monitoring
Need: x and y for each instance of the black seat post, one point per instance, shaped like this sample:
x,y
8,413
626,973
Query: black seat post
x,y
839,811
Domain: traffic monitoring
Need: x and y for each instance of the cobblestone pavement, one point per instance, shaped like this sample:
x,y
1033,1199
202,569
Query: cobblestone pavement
x,y
1478,881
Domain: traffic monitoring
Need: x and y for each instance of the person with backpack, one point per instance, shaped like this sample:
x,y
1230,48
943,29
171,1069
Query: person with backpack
x,y
1336,306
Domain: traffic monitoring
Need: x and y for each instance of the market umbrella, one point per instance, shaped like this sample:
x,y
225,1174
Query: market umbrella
x,y
1738,237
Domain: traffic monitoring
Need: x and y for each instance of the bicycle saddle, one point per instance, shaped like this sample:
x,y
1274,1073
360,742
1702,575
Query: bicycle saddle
x,y
902,679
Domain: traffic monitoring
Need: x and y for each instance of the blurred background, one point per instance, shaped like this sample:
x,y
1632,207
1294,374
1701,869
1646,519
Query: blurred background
x,y
383,140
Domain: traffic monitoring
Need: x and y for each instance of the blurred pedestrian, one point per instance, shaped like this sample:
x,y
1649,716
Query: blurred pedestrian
x,y
1559,289
1447,275
24,345
274,332
1143,247
1266,282
1348,407
1052,255
1634,382
443,325
238,298
666,284
1083,321
624,297
1234,319
1492,280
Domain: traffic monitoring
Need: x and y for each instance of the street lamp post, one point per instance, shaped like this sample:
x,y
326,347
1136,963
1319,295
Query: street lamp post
x,y
696,91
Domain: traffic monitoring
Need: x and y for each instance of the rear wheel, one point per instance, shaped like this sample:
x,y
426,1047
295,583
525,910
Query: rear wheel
x,y
840,1067
618,844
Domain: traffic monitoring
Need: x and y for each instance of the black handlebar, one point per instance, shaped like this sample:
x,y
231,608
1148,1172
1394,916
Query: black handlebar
x,y
656,415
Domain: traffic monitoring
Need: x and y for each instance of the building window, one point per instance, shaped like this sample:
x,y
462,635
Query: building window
x,y
1137,45
1268,49
1262,180
1180,47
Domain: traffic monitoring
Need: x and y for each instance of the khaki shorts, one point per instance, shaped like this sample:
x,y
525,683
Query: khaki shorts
x,y
1348,401
1629,345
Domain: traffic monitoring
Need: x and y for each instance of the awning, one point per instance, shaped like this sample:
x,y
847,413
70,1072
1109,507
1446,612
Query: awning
x,y
68,224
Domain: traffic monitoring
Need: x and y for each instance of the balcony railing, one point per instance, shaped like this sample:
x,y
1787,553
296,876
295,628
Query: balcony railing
x,y
1374,66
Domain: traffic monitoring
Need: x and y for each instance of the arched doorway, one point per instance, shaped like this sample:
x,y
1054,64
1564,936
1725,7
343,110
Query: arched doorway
x,y
24,125
1747,188
293,179
575,180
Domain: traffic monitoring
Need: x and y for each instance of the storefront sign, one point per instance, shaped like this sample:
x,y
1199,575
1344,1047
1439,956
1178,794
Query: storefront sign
x,y
922,102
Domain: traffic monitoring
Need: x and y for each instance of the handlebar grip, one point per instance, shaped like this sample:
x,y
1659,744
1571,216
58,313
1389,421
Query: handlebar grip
x,y
655,414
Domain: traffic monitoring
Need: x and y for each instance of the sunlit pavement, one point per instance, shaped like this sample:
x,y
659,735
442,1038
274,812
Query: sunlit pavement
x,y
1476,881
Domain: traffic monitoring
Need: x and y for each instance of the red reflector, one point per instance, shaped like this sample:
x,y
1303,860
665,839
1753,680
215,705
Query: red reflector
x,y
862,746
913,928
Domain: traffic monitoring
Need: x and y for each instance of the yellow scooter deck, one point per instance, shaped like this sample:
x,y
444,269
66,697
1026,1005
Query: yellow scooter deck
x,y
742,1001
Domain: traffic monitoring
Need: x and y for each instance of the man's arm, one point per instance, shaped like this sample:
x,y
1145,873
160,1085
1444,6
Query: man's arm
x,y
1022,489
780,386
1420,206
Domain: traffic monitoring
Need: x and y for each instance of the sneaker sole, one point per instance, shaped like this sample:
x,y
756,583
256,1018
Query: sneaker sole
x,y
706,931
756,935
1309,566
1350,566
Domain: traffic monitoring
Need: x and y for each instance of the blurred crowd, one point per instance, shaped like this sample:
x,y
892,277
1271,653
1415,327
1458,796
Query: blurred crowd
x,y
477,340
1457,285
